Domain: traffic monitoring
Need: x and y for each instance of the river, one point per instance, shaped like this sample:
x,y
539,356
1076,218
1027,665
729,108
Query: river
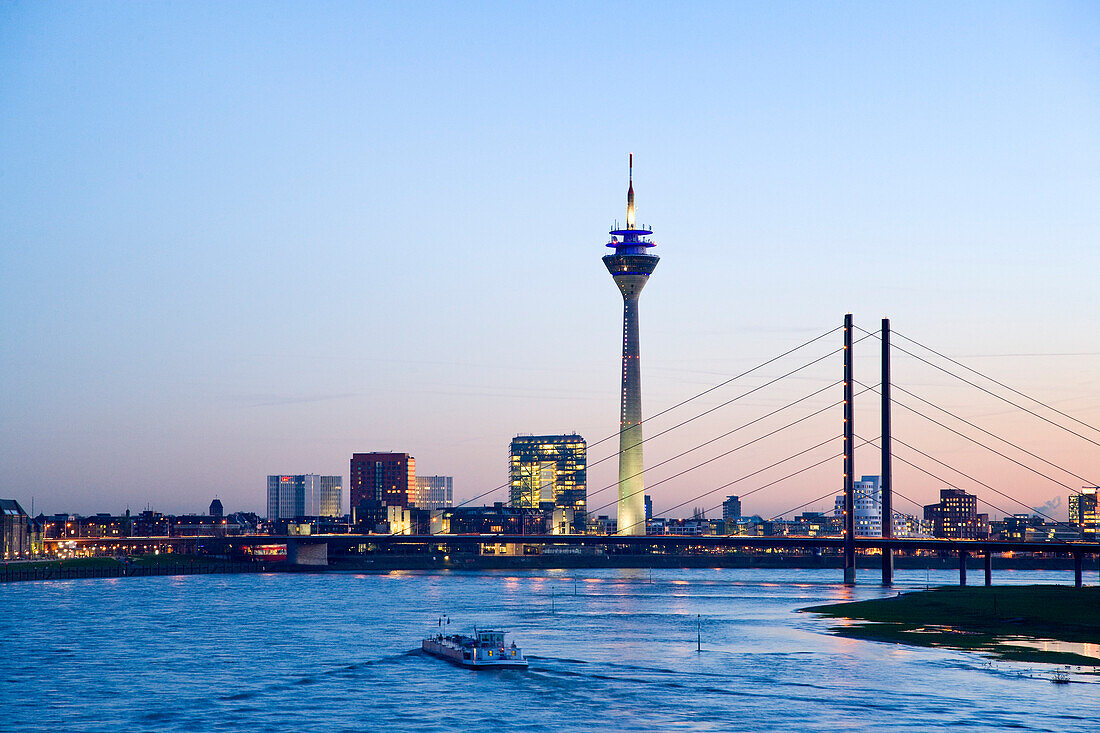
x,y
610,650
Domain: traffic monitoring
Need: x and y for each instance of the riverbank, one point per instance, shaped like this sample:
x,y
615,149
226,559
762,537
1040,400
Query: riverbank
x,y
1033,623
179,564
134,566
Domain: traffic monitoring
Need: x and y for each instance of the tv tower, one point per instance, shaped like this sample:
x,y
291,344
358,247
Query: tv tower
x,y
631,266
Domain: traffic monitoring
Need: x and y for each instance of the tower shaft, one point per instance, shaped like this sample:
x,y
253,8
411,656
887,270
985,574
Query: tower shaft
x,y
631,272
631,515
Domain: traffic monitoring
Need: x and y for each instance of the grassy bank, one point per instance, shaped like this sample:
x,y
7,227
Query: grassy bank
x,y
1003,621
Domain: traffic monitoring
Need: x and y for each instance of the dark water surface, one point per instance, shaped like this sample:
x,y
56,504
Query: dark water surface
x,y
339,652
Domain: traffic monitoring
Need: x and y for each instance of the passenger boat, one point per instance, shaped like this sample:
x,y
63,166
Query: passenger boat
x,y
483,650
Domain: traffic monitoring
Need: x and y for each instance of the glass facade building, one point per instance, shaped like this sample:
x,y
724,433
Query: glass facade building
x,y
303,495
550,469
1083,512
434,492
386,478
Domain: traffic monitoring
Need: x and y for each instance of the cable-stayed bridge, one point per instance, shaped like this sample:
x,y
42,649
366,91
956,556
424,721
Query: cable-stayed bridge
x,y
800,451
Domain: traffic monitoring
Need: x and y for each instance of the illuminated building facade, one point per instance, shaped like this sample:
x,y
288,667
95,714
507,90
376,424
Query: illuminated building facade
x,y
15,531
304,495
1083,512
956,516
387,478
550,469
630,266
867,495
434,492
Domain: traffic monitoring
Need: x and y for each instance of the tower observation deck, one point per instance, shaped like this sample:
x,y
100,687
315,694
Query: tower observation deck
x,y
630,266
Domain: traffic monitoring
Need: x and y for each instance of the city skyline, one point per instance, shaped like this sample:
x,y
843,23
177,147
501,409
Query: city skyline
x,y
239,241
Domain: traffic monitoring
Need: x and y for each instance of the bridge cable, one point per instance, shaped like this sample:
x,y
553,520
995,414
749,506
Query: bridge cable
x,y
723,455
838,455
988,448
941,480
759,488
713,440
971,478
994,394
1001,384
998,437
709,460
690,399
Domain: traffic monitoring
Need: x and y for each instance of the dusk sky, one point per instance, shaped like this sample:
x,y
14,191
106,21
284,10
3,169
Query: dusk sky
x,y
251,238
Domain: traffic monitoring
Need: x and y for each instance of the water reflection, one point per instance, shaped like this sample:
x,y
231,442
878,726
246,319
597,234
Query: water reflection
x,y
286,651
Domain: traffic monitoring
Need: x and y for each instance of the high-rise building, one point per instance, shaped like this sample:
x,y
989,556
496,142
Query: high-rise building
x,y
867,494
550,469
303,495
956,516
388,478
434,492
630,266
731,508
1083,512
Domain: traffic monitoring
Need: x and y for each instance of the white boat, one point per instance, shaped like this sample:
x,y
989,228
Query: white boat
x,y
483,650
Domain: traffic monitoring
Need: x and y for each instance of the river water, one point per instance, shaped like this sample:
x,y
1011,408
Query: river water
x,y
610,650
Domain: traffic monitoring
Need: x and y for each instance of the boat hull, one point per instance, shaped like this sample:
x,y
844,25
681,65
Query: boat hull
x,y
455,656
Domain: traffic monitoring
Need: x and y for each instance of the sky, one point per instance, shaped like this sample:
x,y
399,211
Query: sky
x,y
239,239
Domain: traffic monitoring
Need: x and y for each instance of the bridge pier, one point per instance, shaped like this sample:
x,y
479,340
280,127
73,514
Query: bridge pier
x,y
849,459
963,554
1078,562
307,553
988,568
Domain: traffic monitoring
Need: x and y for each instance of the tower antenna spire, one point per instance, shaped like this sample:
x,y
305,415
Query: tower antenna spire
x,y
630,197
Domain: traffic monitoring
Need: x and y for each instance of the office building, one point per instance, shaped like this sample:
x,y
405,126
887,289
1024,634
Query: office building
x,y
1083,512
731,508
434,492
304,495
867,494
630,266
956,516
387,478
550,469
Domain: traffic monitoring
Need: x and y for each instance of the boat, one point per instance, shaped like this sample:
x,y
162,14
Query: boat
x,y
483,650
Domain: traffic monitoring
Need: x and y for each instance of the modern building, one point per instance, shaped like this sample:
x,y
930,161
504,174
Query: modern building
x,y
434,492
550,469
16,535
731,508
867,494
1083,512
956,516
304,495
630,266
389,478
495,519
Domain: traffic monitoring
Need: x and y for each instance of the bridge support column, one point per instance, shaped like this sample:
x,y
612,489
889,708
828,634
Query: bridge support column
x,y
307,553
962,566
887,478
988,568
1078,562
849,459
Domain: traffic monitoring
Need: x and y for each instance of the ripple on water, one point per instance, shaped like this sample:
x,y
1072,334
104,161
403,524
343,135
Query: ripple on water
x,y
286,652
